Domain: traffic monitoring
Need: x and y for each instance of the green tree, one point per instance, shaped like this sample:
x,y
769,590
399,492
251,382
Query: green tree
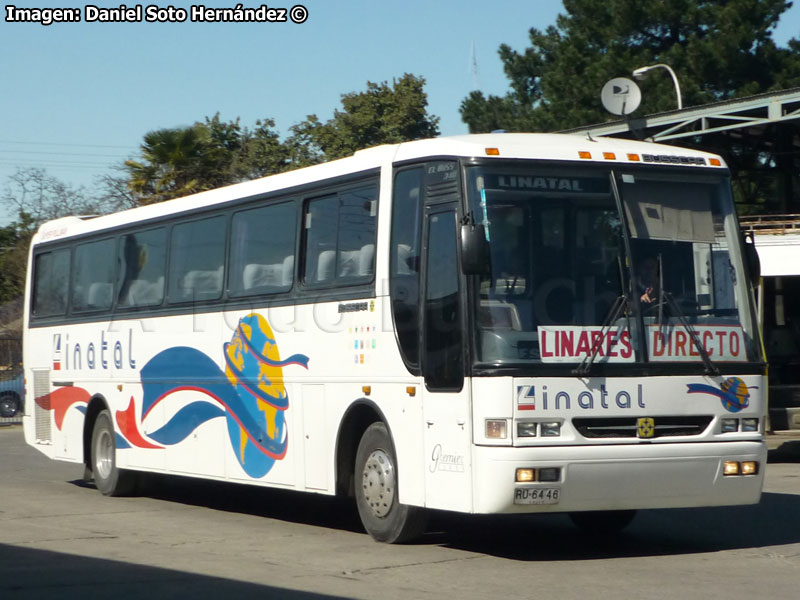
x,y
383,114
180,161
172,164
14,243
720,49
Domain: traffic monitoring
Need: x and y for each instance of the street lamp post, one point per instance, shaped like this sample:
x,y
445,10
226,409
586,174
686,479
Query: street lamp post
x,y
640,73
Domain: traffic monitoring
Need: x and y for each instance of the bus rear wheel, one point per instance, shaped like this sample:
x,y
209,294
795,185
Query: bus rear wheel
x,y
377,498
602,522
110,480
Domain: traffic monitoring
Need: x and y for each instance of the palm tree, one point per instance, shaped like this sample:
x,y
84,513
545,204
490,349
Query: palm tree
x,y
172,164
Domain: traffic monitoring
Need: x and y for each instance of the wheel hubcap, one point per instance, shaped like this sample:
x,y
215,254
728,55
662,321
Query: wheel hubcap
x,y
378,483
104,455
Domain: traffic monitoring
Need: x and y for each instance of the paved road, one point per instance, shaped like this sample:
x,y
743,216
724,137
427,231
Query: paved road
x,y
61,539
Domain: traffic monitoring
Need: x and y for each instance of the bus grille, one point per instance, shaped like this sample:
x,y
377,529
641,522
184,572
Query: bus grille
x,y
627,427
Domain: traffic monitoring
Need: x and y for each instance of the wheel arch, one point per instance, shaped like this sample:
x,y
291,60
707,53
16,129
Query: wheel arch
x,y
96,405
360,414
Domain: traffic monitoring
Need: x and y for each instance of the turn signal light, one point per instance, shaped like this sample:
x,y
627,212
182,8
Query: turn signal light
x,y
496,429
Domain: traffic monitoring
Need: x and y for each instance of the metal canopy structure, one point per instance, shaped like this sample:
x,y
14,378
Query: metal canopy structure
x,y
742,113
759,136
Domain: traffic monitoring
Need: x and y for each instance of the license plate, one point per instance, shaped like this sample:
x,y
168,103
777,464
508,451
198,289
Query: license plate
x,y
536,495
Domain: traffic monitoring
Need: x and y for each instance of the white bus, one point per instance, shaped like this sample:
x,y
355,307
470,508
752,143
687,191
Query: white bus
x,y
505,323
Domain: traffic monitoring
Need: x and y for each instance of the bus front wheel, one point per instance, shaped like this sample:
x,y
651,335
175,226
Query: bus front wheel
x,y
377,498
110,480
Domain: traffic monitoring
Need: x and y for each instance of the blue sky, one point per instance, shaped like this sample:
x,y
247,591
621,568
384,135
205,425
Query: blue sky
x,y
77,98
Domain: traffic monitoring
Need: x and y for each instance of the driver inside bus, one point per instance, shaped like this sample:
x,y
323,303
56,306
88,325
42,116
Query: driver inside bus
x,y
648,280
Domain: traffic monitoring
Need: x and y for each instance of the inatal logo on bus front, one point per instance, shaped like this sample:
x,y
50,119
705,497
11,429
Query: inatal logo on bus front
x,y
587,399
526,397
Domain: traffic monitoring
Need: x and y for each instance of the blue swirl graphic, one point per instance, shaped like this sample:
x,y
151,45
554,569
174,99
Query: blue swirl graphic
x,y
242,395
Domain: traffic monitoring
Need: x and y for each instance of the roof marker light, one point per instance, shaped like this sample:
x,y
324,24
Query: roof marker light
x,y
584,154
633,157
492,152
715,162
609,156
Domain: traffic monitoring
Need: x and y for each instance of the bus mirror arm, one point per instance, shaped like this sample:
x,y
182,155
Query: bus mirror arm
x,y
752,262
474,248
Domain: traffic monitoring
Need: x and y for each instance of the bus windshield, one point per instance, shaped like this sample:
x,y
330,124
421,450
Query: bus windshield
x,y
570,279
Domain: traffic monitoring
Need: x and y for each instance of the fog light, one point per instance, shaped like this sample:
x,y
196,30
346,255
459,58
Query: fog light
x,y
551,429
550,474
526,429
731,467
526,475
749,424
730,425
496,429
749,467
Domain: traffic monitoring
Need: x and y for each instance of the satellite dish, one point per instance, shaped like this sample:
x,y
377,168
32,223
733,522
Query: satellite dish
x,y
621,96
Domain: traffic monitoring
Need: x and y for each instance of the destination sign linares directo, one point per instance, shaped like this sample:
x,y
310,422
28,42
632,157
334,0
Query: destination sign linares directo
x,y
664,343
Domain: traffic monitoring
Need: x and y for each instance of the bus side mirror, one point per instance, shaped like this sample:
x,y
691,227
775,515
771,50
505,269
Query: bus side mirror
x,y
752,261
474,249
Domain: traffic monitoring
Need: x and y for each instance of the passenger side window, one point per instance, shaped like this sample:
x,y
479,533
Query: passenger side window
x,y
262,250
196,260
340,238
93,285
51,283
142,264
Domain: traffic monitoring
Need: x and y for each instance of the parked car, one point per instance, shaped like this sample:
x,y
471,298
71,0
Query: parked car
x,y
11,395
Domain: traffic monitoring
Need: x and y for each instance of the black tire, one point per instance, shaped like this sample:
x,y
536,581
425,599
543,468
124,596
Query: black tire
x,y
603,522
110,480
377,497
9,405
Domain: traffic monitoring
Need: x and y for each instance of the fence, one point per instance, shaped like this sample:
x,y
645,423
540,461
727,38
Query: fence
x,y
12,394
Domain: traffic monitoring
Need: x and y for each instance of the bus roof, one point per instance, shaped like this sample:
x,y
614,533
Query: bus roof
x,y
560,147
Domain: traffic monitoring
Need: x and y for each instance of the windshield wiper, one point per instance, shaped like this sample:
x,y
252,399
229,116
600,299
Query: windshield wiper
x,y
620,304
666,297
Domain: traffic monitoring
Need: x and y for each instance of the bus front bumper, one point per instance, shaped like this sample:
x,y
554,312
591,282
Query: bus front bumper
x,y
617,477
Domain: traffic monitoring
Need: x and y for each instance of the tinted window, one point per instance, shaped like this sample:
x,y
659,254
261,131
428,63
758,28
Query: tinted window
x,y
142,260
404,260
443,343
322,218
51,283
340,237
93,281
196,259
262,250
